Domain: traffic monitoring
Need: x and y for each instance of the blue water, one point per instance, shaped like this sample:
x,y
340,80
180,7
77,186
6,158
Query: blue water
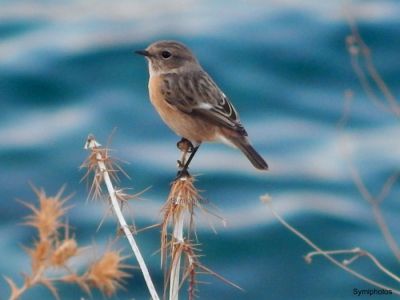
x,y
67,69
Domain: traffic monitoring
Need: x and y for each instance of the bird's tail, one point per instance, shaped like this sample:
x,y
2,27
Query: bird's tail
x,y
256,160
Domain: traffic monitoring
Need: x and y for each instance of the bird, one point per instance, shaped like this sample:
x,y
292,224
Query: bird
x,y
191,103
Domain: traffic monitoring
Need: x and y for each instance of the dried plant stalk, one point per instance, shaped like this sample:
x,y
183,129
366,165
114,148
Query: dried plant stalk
x,y
328,254
182,200
102,165
381,95
361,58
175,271
375,203
184,264
355,254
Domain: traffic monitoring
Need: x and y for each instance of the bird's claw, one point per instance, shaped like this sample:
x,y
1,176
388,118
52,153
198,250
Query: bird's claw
x,y
180,164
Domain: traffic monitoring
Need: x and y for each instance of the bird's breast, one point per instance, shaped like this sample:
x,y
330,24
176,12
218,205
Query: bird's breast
x,y
157,98
183,124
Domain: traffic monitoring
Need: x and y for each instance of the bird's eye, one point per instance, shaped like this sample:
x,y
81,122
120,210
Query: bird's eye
x,y
166,54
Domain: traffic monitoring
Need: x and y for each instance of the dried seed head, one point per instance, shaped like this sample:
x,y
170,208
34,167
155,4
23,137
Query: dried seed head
x,y
108,273
95,173
184,193
266,198
183,197
64,251
46,217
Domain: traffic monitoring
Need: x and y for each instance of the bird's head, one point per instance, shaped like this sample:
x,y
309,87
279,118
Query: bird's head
x,y
168,57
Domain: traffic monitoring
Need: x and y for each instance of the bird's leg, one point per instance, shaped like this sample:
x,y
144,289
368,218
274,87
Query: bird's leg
x,y
192,153
184,171
186,147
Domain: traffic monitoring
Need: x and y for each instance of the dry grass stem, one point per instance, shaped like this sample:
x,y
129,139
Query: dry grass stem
x,y
355,254
375,204
180,205
361,58
105,171
179,256
348,100
267,200
181,201
375,201
363,66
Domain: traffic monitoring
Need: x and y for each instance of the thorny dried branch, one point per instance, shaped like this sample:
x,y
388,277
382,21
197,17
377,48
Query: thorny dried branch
x,y
176,246
104,170
54,250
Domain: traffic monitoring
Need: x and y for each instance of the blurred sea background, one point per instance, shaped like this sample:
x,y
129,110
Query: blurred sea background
x,y
67,69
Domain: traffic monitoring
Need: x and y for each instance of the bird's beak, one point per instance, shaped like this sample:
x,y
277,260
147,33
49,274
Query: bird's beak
x,y
143,52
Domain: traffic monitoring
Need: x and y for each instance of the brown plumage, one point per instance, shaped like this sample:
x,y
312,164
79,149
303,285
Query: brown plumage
x,y
191,103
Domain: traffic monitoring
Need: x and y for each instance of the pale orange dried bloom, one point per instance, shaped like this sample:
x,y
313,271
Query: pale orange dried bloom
x,y
46,217
39,254
107,274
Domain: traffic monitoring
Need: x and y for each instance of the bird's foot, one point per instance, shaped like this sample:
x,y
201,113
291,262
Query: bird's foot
x,y
181,164
185,145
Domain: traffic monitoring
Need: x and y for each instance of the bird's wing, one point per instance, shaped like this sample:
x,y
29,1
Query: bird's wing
x,y
197,94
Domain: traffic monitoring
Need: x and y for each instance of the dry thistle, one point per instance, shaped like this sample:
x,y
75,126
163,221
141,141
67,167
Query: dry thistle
x,y
108,273
104,170
46,217
182,199
178,211
98,157
52,251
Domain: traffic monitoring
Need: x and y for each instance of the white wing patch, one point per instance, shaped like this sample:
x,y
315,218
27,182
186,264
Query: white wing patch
x,y
205,105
